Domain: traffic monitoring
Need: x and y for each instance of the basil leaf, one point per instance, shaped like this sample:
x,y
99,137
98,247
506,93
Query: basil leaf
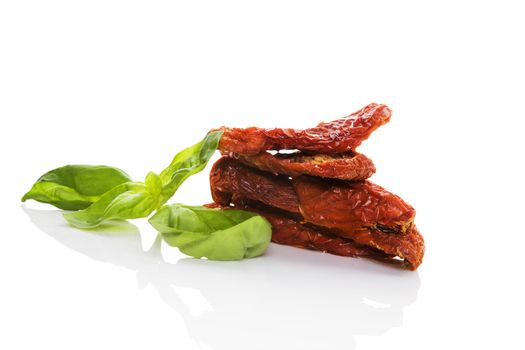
x,y
188,162
213,233
74,187
130,200
133,200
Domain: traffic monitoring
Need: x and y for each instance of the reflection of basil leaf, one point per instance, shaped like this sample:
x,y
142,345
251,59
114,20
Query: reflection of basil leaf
x,y
133,200
74,187
213,233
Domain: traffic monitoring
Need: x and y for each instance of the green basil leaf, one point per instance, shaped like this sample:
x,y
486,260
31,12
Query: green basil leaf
x,y
213,233
188,162
130,200
74,187
133,200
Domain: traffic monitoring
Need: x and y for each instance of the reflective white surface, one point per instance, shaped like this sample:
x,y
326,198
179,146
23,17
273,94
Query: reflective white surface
x,y
130,83
290,294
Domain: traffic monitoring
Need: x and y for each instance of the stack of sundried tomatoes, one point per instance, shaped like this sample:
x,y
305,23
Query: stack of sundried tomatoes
x,y
312,186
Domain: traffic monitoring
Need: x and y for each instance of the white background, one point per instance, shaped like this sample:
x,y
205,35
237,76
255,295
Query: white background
x,y
130,83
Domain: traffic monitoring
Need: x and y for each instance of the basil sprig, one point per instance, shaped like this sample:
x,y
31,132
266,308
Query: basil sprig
x,y
112,192
100,193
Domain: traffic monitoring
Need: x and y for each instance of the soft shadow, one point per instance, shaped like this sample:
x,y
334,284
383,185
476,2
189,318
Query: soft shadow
x,y
288,298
